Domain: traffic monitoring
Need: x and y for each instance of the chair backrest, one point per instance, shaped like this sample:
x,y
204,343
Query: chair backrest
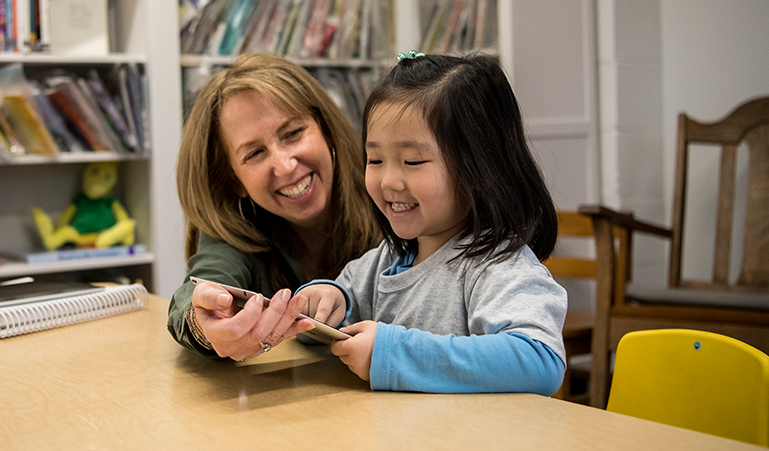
x,y
748,123
695,380
573,225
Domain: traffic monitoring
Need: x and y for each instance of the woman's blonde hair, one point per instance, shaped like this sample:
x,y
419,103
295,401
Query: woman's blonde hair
x,y
207,186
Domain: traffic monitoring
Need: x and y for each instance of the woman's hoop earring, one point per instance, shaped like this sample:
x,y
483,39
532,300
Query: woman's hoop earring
x,y
240,207
333,158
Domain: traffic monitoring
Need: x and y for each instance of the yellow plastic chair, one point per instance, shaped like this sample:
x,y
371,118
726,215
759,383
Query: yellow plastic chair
x,y
695,380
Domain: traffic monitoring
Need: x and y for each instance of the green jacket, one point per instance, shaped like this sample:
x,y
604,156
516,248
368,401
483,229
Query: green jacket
x,y
220,262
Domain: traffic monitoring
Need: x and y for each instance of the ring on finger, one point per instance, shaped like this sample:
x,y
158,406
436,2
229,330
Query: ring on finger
x,y
265,346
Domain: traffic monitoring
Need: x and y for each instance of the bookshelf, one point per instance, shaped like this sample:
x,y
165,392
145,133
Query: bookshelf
x,y
346,45
145,178
457,26
361,41
146,33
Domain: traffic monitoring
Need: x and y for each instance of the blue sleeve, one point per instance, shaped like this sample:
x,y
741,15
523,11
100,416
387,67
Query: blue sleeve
x,y
414,360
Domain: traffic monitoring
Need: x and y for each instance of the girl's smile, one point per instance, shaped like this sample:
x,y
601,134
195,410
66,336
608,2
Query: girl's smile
x,y
401,207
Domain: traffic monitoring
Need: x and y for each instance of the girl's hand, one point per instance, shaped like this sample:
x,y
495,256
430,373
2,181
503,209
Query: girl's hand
x,y
325,303
238,333
356,352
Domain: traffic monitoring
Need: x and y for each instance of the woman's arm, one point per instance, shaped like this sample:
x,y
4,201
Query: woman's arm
x,y
220,323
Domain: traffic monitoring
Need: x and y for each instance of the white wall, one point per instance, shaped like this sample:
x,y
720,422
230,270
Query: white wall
x,y
658,58
715,56
548,50
630,104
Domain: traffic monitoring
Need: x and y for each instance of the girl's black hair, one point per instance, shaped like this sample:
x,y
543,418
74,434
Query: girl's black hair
x,y
471,110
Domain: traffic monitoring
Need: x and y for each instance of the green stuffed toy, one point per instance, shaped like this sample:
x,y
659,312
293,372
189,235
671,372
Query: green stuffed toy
x,y
93,219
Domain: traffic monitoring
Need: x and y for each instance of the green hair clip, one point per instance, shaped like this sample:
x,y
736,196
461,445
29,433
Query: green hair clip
x,y
410,55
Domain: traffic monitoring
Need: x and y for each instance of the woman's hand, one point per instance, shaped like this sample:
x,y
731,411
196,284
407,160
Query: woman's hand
x,y
238,333
355,352
325,303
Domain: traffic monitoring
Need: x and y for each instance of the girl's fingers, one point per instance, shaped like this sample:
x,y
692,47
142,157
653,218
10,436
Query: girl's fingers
x,y
325,308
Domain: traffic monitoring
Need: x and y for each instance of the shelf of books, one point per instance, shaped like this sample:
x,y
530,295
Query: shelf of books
x,y
50,109
346,44
303,29
72,94
457,26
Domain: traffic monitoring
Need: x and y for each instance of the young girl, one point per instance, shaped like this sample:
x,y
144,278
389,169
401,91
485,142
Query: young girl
x,y
455,299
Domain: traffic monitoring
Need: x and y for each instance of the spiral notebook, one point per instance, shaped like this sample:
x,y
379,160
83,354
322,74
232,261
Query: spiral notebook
x,y
32,315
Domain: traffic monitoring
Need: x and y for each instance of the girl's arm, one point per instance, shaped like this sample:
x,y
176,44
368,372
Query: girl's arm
x,y
413,360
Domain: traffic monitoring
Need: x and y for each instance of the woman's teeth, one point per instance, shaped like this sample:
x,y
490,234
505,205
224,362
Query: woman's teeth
x,y
299,190
402,207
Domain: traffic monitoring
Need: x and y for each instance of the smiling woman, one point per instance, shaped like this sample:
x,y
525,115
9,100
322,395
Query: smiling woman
x,y
271,183
282,163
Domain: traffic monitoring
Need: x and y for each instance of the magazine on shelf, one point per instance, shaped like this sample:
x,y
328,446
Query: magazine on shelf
x,y
108,106
60,98
28,125
55,122
35,258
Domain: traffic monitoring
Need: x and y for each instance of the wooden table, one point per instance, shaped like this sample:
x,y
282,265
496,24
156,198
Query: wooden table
x,y
122,383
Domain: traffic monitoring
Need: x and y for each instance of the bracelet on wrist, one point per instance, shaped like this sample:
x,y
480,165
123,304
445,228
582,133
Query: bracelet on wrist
x,y
197,332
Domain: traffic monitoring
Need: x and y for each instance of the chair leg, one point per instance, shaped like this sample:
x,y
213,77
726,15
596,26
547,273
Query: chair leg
x,y
605,278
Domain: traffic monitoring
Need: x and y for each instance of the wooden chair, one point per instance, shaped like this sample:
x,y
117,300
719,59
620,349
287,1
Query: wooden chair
x,y
696,380
578,327
739,310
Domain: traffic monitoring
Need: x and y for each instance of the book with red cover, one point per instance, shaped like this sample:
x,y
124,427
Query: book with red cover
x,y
63,103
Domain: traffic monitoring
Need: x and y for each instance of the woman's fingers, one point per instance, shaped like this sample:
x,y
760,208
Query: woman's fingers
x,y
240,335
229,335
286,324
269,318
211,296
